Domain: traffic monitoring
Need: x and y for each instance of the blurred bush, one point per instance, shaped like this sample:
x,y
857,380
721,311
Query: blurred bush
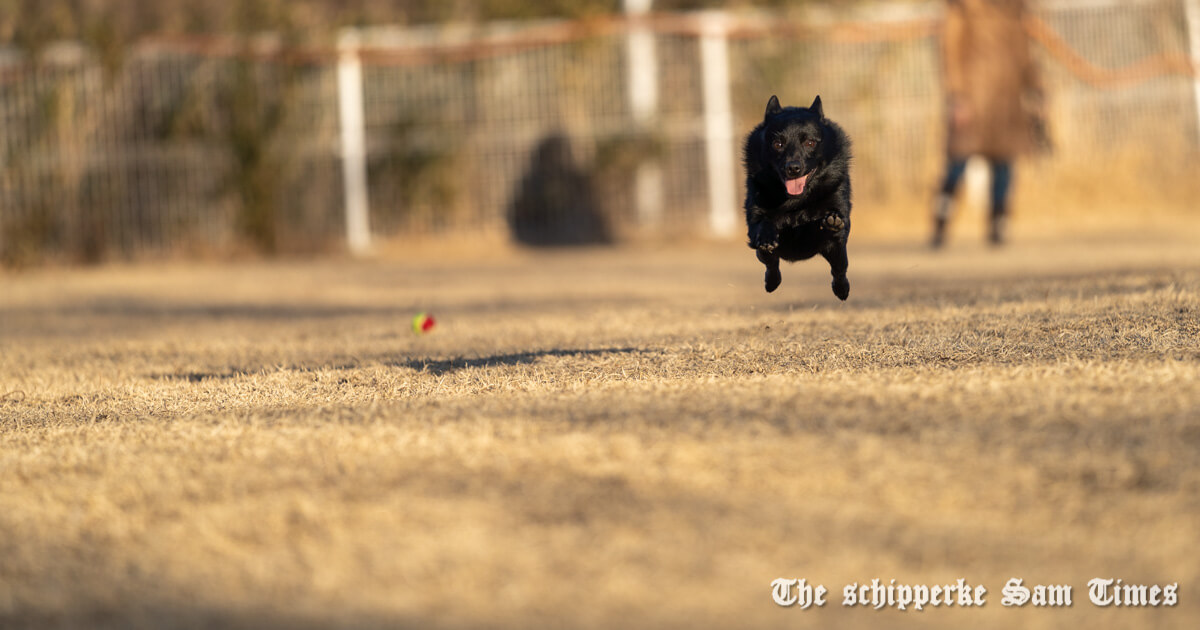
x,y
106,24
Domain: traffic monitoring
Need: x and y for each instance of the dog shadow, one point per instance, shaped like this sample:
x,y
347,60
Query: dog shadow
x,y
438,367
434,366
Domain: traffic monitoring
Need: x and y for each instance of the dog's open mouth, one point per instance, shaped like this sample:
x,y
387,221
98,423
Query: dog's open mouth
x,y
796,186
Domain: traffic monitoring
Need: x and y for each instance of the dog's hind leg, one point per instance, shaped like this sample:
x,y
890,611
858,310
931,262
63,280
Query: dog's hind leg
x,y
773,277
838,263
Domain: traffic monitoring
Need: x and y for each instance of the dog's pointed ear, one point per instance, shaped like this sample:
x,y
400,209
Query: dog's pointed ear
x,y
816,107
773,106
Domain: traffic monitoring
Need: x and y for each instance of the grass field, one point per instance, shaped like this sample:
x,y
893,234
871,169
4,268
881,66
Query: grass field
x,y
599,439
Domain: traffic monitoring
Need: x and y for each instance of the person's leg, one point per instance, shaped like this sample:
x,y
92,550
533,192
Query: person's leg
x,y
1002,172
943,207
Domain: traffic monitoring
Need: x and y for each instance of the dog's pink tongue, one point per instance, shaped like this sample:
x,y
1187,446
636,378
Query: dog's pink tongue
x,y
796,186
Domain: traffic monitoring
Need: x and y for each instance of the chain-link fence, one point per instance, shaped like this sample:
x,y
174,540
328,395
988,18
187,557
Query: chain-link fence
x,y
539,130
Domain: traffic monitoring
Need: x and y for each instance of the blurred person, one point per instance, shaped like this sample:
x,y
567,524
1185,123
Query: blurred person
x,y
994,102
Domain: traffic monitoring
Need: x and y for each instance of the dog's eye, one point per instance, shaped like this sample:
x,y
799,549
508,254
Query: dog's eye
x,y
810,143
778,145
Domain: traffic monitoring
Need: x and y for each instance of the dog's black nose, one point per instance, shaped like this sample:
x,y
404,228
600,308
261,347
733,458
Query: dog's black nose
x,y
793,170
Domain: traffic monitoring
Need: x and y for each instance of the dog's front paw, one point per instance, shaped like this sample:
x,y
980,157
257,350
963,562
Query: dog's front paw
x,y
764,238
841,288
833,223
768,245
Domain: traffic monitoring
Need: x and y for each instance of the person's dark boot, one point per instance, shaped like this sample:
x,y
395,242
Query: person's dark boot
x,y
941,216
997,229
939,233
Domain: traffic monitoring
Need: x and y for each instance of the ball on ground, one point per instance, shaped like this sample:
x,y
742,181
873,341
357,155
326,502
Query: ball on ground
x,y
423,323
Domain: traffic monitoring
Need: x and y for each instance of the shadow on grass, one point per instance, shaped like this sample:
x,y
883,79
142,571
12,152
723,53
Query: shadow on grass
x,y
439,367
977,290
436,367
197,377
173,615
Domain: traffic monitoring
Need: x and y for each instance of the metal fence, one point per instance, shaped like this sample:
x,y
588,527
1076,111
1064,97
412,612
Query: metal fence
x,y
545,131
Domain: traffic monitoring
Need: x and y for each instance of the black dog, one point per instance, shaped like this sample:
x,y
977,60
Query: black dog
x,y
798,190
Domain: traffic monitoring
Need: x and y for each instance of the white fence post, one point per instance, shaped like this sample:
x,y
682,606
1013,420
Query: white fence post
x,y
718,123
1192,10
642,66
351,117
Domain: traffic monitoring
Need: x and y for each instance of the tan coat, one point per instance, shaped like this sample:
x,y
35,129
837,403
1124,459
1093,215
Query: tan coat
x,y
992,86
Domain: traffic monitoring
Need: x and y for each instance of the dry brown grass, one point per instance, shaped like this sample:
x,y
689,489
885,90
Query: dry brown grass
x,y
598,439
